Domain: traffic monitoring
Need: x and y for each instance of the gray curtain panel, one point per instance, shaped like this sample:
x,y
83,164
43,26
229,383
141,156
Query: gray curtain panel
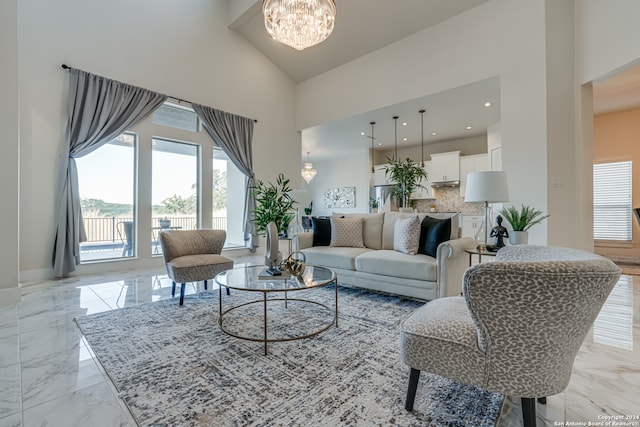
x,y
100,109
234,135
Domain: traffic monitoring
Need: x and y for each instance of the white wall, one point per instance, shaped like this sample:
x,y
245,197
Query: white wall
x,y
501,38
9,171
181,48
352,171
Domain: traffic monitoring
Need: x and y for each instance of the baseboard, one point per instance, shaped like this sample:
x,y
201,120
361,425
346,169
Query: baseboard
x,y
10,296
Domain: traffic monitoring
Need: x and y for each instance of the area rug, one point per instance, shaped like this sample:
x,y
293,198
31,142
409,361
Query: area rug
x,y
172,366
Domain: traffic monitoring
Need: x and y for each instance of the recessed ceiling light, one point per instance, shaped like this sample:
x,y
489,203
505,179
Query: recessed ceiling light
x,y
380,144
469,127
404,139
488,104
404,124
362,133
434,133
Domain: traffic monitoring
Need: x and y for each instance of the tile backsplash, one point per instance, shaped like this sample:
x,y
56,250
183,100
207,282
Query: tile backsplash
x,y
447,199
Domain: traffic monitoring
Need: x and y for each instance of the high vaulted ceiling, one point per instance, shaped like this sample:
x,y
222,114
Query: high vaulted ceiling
x,y
361,27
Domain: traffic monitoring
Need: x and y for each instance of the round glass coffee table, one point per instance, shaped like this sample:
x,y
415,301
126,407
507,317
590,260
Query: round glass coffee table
x,y
273,289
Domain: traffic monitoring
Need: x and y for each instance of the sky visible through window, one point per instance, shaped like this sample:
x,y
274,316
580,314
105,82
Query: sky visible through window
x,y
107,174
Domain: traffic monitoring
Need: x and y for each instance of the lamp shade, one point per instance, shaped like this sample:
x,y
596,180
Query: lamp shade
x,y
487,186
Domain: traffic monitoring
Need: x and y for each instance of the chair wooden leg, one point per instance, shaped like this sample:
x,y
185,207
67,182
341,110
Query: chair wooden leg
x,y
528,411
414,376
182,293
205,285
542,400
173,289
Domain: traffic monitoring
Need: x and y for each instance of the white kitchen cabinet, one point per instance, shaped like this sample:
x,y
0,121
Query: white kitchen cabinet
x,y
424,192
470,225
468,164
445,166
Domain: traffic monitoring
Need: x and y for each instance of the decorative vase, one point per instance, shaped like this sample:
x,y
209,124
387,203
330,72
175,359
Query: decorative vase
x,y
518,237
165,223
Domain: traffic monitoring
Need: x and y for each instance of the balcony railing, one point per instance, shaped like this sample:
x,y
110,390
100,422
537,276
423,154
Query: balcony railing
x,y
112,229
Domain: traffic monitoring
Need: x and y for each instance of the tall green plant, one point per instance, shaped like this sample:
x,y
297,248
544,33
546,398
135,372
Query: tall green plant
x,y
273,203
407,175
523,219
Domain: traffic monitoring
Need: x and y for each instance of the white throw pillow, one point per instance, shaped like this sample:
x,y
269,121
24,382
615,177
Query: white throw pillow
x,y
406,235
346,232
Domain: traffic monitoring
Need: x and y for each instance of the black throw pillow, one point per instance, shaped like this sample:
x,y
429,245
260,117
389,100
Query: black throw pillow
x,y
433,232
321,230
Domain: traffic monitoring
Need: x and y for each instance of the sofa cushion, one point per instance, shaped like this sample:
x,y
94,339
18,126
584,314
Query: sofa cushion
x,y
321,231
371,228
432,233
346,232
391,217
333,257
406,235
396,264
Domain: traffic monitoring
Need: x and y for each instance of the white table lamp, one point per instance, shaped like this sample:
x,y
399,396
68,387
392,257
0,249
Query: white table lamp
x,y
486,187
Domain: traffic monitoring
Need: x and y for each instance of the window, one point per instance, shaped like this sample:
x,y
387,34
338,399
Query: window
x,y
151,178
612,201
107,188
175,188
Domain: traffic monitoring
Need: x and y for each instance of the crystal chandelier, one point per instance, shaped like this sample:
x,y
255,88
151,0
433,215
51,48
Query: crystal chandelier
x,y
308,172
299,23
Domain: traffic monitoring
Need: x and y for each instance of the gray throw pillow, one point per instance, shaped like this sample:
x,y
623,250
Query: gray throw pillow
x,y
406,235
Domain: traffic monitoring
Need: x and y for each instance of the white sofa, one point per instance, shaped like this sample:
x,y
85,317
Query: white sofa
x,y
379,267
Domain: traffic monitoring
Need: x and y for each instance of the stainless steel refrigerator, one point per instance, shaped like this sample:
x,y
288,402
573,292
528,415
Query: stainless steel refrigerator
x,y
382,194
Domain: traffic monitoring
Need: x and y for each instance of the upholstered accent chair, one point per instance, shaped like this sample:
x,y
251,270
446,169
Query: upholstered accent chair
x,y
193,255
517,327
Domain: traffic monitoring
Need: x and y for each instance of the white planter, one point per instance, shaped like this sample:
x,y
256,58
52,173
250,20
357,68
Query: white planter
x,y
518,237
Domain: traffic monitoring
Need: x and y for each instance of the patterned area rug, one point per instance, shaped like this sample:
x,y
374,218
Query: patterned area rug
x,y
174,367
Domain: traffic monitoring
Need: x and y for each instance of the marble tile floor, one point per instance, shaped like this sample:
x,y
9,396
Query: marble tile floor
x,y
49,377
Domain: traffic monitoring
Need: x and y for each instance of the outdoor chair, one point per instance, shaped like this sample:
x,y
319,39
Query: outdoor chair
x,y
192,256
125,233
517,327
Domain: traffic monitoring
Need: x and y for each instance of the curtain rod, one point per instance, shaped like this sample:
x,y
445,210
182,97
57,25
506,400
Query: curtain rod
x,y
66,67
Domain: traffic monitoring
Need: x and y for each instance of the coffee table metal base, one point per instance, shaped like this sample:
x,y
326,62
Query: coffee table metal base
x,y
265,301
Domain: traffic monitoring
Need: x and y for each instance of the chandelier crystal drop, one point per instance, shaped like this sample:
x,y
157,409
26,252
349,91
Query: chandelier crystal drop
x,y
299,23
308,172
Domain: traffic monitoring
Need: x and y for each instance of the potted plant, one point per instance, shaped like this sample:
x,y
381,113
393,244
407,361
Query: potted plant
x,y
407,175
373,203
521,221
309,209
273,203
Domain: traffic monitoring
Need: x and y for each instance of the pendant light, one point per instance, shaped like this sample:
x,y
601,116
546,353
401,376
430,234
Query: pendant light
x,y
422,137
395,155
308,172
372,139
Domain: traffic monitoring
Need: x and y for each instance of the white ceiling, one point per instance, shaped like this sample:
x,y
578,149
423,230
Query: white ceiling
x,y
617,93
363,26
447,114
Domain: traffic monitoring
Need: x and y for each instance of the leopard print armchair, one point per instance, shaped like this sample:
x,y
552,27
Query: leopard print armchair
x,y
517,327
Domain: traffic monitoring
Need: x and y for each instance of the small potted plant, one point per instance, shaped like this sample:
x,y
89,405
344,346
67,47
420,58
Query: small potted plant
x,y
373,203
407,174
308,210
521,221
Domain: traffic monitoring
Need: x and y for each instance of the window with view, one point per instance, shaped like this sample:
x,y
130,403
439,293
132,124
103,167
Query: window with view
x,y
155,170
612,210
107,188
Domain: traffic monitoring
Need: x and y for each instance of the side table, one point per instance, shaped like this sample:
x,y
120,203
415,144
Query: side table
x,y
480,254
